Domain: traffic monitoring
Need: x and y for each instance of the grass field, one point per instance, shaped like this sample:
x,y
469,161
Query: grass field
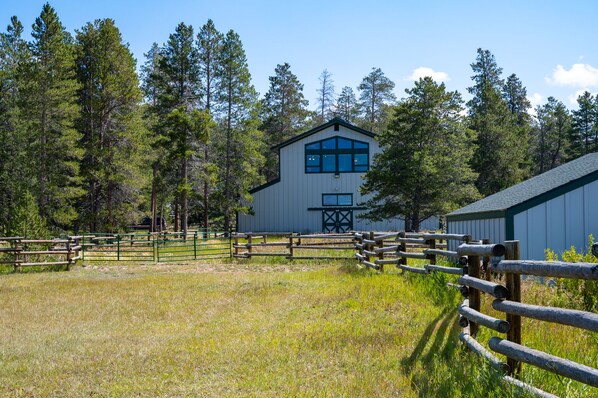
x,y
247,329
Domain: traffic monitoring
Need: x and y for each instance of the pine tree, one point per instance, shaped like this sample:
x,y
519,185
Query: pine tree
x,y
584,132
376,94
499,159
158,154
209,42
346,105
515,94
179,89
114,138
325,96
284,113
238,141
550,135
423,168
14,55
51,110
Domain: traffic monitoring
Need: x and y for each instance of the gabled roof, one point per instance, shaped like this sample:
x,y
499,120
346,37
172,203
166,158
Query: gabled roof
x,y
336,120
544,187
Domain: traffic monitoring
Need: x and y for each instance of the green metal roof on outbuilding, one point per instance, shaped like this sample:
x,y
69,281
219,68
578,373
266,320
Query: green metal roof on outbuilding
x,y
530,193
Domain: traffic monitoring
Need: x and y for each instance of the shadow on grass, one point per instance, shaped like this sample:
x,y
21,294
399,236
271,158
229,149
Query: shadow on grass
x,y
436,330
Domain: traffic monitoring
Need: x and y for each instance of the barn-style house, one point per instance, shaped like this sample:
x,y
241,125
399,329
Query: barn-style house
x,y
318,185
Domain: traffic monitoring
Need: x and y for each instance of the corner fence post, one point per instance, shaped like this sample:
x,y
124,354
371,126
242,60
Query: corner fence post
x,y
513,282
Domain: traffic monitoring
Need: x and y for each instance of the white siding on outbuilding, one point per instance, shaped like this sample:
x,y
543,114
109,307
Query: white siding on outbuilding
x,y
490,228
559,223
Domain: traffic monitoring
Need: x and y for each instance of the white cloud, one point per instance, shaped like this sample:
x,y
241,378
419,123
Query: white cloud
x,y
535,99
573,97
580,75
424,71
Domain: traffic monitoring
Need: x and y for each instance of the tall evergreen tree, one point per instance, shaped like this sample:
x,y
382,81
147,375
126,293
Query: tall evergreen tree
x,y
346,106
150,86
550,135
584,133
239,140
499,159
14,55
325,96
209,42
52,108
423,168
179,91
375,94
284,113
516,96
114,138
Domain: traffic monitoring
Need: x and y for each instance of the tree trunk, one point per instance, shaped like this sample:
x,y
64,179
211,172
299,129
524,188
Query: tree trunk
x,y
153,227
184,215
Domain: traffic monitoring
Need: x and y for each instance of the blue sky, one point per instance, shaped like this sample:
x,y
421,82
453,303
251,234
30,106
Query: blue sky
x,y
550,45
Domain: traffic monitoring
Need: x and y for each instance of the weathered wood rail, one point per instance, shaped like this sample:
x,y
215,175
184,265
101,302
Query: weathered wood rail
x,y
293,246
471,260
20,252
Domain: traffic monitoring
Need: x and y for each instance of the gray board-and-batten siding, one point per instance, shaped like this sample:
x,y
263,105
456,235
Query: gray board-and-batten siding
x,y
557,209
293,202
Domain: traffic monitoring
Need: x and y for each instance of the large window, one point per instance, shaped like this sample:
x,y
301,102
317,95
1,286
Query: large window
x,y
337,155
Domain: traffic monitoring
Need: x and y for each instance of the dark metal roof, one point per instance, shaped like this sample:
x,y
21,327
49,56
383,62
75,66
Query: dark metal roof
x,y
553,181
332,122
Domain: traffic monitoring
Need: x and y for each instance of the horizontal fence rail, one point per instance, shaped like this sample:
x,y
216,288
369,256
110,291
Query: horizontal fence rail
x,y
294,246
20,252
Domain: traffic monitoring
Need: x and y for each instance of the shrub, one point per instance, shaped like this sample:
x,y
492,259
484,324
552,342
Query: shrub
x,y
578,293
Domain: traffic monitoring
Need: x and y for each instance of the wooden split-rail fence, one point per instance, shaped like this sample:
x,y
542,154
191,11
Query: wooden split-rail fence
x,y
294,246
20,252
475,262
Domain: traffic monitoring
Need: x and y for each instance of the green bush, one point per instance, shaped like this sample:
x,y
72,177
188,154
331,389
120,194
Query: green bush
x,y
576,292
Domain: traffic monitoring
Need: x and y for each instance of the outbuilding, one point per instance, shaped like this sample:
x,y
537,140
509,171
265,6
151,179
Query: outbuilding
x,y
320,172
556,210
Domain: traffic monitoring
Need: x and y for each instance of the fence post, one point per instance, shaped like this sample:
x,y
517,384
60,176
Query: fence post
x,y
380,244
513,282
68,253
249,247
236,244
402,248
195,245
431,245
486,261
15,245
473,269
118,247
369,246
291,245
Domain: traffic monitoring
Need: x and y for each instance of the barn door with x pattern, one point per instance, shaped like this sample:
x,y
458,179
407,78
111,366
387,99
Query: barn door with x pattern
x,y
337,220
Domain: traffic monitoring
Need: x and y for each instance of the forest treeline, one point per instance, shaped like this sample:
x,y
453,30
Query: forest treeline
x,y
88,144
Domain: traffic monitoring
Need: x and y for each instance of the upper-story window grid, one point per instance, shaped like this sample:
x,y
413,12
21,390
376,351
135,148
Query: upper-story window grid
x,y
337,155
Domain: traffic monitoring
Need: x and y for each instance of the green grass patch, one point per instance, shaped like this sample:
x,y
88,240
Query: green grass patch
x,y
236,328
